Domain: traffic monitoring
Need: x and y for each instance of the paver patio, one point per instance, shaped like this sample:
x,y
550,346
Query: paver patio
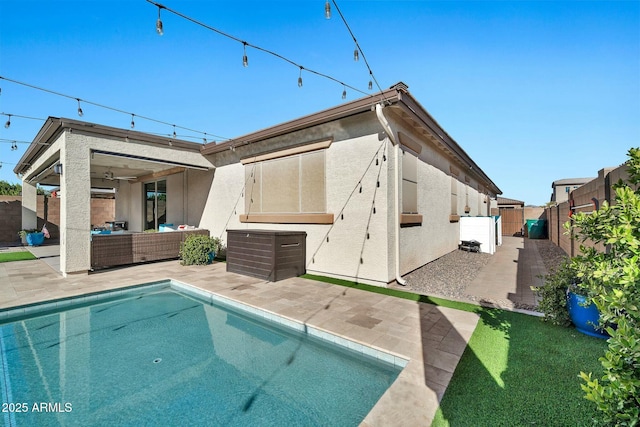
x,y
432,338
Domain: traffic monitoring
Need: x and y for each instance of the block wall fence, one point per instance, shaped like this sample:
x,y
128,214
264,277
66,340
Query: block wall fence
x,y
48,210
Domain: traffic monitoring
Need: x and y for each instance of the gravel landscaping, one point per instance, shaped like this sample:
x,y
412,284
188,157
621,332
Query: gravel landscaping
x,y
449,275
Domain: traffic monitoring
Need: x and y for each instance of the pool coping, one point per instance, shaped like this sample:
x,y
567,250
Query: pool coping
x,y
13,314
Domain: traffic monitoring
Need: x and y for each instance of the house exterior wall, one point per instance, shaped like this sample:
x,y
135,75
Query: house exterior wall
x,y
350,159
175,199
75,206
123,203
29,206
345,165
437,173
198,184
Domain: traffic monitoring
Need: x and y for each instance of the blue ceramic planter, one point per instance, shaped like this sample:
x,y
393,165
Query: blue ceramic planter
x,y
585,319
212,255
35,239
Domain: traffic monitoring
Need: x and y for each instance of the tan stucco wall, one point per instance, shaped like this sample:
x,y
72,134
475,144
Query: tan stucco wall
x,y
346,162
75,205
29,206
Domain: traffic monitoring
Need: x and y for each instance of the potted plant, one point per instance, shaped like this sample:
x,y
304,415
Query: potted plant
x,y
199,250
31,237
563,302
611,278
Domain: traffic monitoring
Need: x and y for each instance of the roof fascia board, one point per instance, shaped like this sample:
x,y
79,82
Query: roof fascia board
x,y
54,126
412,108
331,114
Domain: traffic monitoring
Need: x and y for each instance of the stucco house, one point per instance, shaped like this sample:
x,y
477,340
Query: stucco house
x,y
377,185
562,187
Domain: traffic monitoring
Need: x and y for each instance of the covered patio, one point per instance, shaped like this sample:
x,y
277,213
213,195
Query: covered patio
x,y
157,180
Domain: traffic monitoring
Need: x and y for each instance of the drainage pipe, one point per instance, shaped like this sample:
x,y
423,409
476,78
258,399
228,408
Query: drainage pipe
x,y
396,186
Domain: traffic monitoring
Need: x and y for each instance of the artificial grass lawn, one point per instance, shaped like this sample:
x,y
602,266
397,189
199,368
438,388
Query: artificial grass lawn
x,y
516,370
16,256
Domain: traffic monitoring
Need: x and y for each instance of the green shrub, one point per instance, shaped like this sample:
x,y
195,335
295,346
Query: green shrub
x,y
612,279
553,294
195,249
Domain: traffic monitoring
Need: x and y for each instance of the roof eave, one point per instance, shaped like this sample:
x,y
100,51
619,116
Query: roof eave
x,y
54,126
335,113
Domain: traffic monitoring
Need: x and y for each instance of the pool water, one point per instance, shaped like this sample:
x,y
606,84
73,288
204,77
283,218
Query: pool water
x,y
157,356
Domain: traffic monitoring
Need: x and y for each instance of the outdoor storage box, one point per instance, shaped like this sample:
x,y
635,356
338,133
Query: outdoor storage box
x,y
267,254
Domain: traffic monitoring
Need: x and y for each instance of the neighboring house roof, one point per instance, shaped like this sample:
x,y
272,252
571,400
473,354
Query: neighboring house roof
x,y
506,201
396,97
571,181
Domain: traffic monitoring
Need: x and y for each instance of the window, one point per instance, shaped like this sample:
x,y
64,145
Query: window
x,y
409,183
287,189
155,207
454,195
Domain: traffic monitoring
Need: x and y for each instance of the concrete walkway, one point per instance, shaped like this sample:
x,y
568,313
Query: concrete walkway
x,y
506,280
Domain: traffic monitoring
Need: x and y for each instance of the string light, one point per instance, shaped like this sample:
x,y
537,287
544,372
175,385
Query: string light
x,y
8,124
245,59
300,77
159,28
174,132
117,110
344,93
205,138
356,56
327,10
133,124
272,53
80,113
359,50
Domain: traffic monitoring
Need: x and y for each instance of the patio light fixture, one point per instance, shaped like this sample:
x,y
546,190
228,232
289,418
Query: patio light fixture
x,y
8,124
344,93
300,76
245,59
80,113
356,55
133,124
327,10
159,28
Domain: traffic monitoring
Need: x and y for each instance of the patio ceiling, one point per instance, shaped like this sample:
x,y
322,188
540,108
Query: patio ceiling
x,y
107,169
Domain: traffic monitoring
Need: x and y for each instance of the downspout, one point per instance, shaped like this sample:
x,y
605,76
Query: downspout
x,y
396,185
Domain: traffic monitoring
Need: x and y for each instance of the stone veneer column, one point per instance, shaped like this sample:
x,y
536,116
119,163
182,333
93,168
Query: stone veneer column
x,y
29,206
75,205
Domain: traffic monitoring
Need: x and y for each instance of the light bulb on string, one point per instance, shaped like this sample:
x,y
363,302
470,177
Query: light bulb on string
x,y
133,124
159,27
7,125
370,80
300,78
80,112
356,55
205,138
370,85
245,59
327,10
174,132
344,92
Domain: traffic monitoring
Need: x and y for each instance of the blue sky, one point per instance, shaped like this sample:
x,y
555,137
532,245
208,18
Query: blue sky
x,y
532,91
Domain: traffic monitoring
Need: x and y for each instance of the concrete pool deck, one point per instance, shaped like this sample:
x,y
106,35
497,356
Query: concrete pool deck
x,y
432,338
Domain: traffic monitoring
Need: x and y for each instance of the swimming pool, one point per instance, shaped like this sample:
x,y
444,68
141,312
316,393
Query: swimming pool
x,y
167,354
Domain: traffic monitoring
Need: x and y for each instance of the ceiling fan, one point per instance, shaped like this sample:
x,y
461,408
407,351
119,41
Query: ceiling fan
x,y
109,175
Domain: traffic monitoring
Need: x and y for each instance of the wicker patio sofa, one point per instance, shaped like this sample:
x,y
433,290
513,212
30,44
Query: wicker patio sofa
x,y
110,250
